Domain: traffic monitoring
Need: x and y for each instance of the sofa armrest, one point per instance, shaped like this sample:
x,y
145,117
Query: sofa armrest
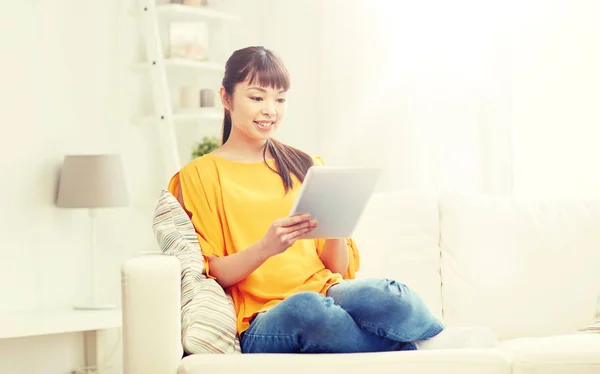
x,y
151,297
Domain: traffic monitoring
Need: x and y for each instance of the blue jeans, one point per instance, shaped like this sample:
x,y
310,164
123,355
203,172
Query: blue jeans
x,y
372,315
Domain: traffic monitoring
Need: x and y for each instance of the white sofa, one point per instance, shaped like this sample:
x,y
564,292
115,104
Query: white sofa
x,y
528,270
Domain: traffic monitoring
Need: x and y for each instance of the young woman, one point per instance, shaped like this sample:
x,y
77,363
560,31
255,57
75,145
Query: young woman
x,y
290,295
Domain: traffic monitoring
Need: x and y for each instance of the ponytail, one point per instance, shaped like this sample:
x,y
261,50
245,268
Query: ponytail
x,y
288,160
226,126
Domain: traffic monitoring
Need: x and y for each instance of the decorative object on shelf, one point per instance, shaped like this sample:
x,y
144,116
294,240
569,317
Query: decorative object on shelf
x,y
176,1
207,98
196,2
189,40
207,145
189,97
91,182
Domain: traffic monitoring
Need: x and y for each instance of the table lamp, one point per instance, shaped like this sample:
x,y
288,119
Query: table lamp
x,y
92,182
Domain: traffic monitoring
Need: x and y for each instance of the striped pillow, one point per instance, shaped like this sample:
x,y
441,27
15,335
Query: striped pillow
x,y
208,321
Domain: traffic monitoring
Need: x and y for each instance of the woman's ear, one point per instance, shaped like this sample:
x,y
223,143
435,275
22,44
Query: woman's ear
x,y
225,98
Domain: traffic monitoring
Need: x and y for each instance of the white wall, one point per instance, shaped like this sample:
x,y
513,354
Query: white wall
x,y
555,96
496,97
407,87
65,89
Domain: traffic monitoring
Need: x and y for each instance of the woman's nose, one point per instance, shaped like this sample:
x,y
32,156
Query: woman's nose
x,y
269,108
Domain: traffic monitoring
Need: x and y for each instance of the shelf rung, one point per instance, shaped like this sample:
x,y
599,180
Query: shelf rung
x,y
211,114
180,63
180,12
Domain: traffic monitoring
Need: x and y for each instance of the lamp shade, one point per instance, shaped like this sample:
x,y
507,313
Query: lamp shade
x,y
92,181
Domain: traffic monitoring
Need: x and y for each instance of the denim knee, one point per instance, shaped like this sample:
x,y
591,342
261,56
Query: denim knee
x,y
305,309
373,297
387,308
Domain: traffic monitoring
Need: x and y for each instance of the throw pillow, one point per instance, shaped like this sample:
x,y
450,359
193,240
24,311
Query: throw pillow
x,y
208,320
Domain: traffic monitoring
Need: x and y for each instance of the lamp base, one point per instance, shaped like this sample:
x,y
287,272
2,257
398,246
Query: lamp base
x,y
92,306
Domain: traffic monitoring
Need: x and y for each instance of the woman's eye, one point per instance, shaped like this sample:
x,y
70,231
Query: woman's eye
x,y
256,98
281,100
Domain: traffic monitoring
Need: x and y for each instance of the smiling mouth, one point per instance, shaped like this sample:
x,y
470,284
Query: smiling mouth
x,y
264,125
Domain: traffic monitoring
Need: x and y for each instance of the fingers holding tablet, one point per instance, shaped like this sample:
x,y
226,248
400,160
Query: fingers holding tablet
x,y
285,231
293,219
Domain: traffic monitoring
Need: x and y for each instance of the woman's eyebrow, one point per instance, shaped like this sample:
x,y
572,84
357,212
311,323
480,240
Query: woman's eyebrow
x,y
257,88
262,89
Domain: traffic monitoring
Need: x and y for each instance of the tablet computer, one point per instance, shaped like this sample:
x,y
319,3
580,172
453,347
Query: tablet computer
x,y
336,198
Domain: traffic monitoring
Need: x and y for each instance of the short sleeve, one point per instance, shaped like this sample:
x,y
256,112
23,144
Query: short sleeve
x,y
353,259
187,186
353,253
318,161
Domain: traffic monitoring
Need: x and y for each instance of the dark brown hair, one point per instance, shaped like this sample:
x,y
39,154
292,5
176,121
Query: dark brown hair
x,y
260,65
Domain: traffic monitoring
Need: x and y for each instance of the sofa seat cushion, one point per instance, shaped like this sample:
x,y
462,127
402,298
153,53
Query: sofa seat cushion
x,y
559,354
465,361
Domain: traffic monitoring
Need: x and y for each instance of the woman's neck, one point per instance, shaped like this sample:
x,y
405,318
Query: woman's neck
x,y
248,150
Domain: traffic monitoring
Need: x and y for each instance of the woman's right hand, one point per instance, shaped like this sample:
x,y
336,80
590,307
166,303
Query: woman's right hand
x,y
285,231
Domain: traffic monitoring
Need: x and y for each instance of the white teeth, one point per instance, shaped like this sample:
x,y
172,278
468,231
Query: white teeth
x,y
264,124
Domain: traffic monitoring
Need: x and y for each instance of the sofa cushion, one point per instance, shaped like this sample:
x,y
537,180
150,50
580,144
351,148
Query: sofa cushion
x,y
397,237
208,321
524,268
467,361
560,354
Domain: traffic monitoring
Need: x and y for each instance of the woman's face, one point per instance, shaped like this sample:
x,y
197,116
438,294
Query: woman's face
x,y
256,112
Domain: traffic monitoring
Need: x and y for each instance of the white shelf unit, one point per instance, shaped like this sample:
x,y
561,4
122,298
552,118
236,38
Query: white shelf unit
x,y
56,321
152,18
179,63
179,12
189,115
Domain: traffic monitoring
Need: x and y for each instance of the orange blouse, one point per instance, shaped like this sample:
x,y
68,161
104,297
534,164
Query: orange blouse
x,y
232,205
